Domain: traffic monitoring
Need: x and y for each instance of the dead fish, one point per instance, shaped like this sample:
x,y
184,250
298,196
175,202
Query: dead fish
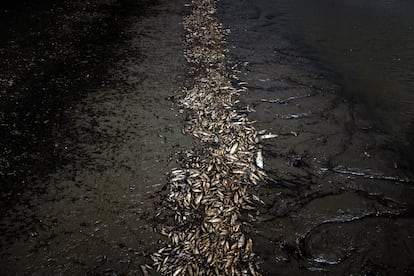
x,y
198,199
188,197
268,136
177,271
239,123
229,262
249,245
177,171
230,209
175,239
256,198
178,178
233,221
239,172
215,220
234,148
241,241
259,159
155,258
210,258
144,270
236,198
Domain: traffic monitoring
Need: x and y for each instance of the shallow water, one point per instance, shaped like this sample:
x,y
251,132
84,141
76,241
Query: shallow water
x,y
371,44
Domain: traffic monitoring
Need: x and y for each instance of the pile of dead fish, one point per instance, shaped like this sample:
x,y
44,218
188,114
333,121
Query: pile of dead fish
x,y
209,192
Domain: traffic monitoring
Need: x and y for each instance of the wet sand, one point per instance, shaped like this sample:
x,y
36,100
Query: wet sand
x,y
328,207
87,207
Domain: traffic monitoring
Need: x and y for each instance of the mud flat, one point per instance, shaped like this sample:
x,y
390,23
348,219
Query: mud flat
x,y
86,206
339,198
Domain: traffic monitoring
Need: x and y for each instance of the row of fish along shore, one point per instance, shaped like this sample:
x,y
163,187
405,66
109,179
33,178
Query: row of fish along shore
x,y
211,189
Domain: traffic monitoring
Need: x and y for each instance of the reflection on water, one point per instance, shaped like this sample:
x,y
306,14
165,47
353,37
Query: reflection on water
x,y
371,43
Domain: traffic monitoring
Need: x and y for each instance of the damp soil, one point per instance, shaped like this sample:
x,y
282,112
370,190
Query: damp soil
x,y
89,128
339,200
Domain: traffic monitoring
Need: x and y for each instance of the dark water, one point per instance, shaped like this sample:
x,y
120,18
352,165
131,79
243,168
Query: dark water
x,y
371,44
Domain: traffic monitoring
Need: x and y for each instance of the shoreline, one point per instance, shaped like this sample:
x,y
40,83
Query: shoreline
x,y
330,168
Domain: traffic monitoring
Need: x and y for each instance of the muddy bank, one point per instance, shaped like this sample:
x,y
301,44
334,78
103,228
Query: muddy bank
x,y
340,197
94,132
51,54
